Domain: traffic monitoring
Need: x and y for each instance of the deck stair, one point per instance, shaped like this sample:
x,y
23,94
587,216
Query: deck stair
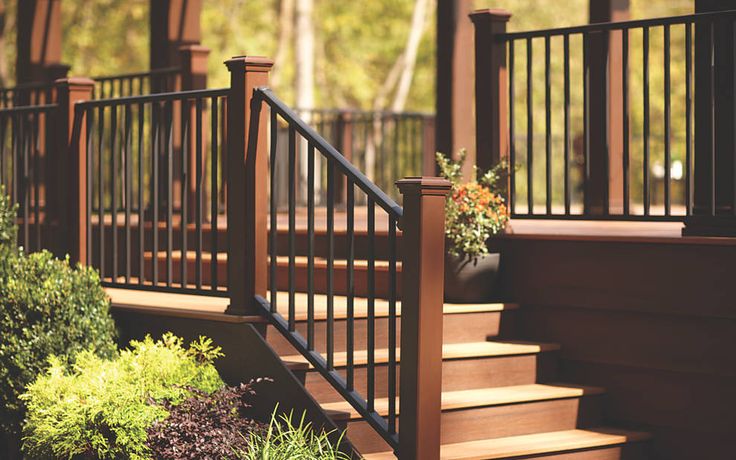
x,y
501,396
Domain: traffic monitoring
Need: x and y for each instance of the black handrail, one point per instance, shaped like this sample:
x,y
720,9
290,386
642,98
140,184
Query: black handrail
x,y
161,71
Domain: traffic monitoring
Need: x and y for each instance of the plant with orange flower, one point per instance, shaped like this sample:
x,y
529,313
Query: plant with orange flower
x,y
475,210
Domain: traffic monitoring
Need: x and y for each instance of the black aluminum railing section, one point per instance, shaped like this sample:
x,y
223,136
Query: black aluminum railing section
x,y
153,188
385,145
136,84
651,176
26,94
24,157
337,167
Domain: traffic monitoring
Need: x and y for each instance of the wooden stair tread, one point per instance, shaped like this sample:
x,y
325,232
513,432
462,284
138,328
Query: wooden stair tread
x,y
213,304
532,444
449,351
483,397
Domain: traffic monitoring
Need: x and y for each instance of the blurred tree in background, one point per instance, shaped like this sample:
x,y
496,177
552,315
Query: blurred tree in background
x,y
356,42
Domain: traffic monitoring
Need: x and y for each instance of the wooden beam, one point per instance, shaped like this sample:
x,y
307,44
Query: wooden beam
x,y
247,182
423,244
605,186
454,90
714,197
173,23
38,39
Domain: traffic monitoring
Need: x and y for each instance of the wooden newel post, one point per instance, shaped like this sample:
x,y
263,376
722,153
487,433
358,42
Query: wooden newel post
x,y
423,240
491,88
247,183
68,192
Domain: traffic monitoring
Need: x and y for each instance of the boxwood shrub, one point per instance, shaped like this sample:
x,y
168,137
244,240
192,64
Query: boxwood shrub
x,y
46,308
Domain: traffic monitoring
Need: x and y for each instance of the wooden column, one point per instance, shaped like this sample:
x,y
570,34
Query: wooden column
x,y
247,183
491,88
605,186
454,90
68,207
423,243
173,23
38,39
429,164
714,186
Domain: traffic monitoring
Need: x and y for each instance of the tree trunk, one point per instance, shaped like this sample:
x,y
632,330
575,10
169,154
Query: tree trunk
x,y
304,79
286,32
418,24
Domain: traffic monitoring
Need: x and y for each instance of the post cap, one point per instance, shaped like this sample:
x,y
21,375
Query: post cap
x,y
74,82
250,63
490,14
424,185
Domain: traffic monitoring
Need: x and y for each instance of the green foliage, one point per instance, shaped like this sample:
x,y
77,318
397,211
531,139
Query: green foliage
x,y
285,440
103,408
475,210
46,308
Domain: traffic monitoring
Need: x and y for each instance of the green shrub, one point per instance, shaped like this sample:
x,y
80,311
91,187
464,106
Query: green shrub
x,y
103,408
46,308
285,440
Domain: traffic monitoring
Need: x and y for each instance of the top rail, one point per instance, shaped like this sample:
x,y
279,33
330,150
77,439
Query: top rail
x,y
622,25
161,71
378,195
158,97
29,109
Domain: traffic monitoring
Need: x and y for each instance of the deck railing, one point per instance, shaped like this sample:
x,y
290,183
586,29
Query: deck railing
x,y
24,166
385,145
135,171
605,129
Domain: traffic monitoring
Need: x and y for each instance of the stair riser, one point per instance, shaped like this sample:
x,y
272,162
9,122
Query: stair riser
x,y
457,328
635,451
458,374
495,422
382,284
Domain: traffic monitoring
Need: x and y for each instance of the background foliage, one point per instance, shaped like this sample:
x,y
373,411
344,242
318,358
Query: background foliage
x,y
357,41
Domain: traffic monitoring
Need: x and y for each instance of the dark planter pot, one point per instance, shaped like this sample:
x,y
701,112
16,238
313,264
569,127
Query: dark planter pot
x,y
471,279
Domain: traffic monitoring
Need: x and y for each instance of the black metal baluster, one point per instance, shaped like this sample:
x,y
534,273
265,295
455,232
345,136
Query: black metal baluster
x,y
114,189
392,339
25,189
310,247
566,150
141,175
529,129
89,116
330,264
169,114
214,197
127,158
371,348
548,124
101,187
688,119
350,288
199,179
273,213
586,125
186,145
667,124
512,131
625,119
645,101
292,229
712,114
155,185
